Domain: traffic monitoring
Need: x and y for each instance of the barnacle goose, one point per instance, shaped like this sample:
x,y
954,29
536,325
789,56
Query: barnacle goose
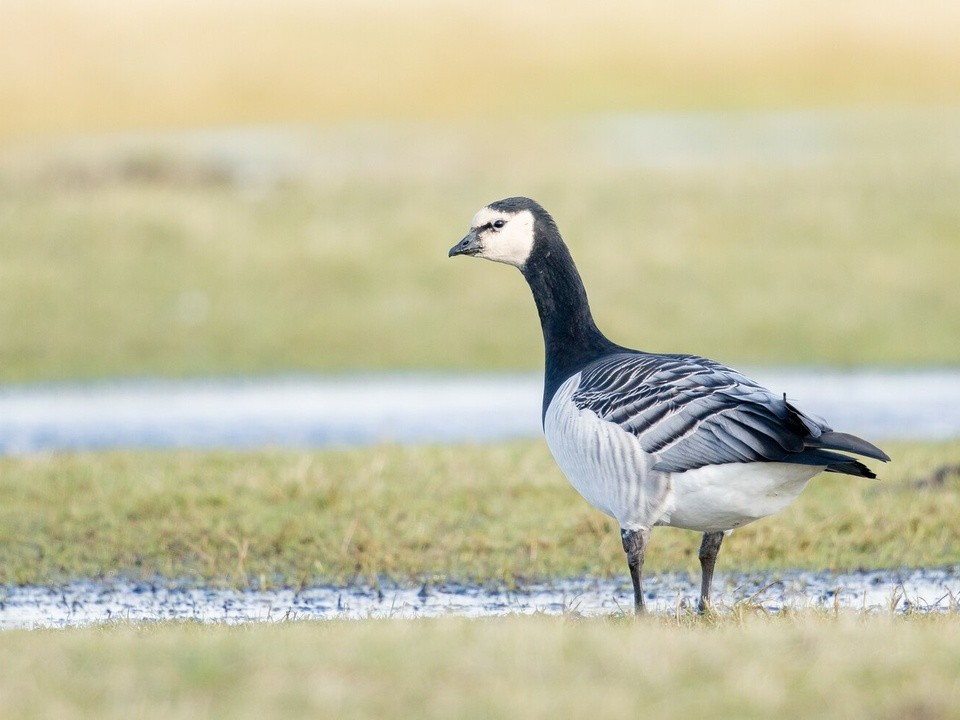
x,y
654,439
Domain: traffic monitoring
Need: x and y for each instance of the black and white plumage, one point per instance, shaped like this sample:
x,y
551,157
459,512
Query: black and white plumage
x,y
653,439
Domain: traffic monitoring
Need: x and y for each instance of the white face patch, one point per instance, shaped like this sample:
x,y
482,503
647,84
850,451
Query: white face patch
x,y
511,243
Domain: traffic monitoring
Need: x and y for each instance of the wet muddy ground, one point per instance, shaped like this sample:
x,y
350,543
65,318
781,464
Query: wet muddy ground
x,y
86,603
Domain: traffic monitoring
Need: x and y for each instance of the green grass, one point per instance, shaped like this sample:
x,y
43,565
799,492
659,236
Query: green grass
x,y
823,238
741,666
500,513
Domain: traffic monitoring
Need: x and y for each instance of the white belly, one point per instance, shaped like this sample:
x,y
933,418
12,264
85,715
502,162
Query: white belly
x,y
610,469
723,497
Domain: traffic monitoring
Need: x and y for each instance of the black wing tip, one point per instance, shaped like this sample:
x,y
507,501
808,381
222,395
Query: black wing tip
x,y
832,461
853,467
845,442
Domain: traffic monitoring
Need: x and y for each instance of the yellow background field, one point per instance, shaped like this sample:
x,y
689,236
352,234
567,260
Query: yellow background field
x,y
70,66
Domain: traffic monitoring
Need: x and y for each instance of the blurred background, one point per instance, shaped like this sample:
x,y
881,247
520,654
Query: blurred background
x,y
233,188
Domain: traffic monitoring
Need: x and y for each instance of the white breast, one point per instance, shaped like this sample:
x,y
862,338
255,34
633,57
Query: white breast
x,y
604,463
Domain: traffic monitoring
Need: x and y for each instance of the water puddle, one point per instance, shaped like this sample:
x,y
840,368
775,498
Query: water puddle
x,y
316,412
87,603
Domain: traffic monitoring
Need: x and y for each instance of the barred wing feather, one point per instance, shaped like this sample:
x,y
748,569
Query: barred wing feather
x,y
689,412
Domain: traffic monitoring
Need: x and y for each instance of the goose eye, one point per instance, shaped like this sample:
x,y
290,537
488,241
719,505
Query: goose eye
x,y
497,224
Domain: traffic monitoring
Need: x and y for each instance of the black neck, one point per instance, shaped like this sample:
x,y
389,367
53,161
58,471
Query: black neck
x,y
571,338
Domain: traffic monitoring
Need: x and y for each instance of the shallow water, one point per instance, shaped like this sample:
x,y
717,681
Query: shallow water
x,y
313,412
86,603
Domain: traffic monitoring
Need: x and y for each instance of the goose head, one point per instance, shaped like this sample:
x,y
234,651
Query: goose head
x,y
506,231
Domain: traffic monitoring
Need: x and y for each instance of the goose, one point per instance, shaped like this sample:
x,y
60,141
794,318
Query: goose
x,y
654,439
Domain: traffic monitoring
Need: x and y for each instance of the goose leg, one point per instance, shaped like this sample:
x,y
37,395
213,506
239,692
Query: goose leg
x,y
635,545
708,558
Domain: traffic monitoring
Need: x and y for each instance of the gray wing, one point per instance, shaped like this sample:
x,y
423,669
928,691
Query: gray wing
x,y
689,412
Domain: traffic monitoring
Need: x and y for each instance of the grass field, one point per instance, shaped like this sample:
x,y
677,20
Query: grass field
x,y
760,183
220,188
745,666
499,513
825,238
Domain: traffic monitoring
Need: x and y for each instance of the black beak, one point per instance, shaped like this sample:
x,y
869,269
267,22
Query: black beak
x,y
470,245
